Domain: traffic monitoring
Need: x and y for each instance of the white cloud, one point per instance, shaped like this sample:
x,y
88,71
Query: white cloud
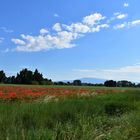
x,y
118,16
65,38
62,35
77,27
134,23
56,15
121,16
18,41
57,27
127,24
99,27
120,26
126,4
131,73
1,39
60,40
93,19
82,28
43,31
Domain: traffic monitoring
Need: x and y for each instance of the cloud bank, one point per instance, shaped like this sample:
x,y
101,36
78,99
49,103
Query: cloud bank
x,y
61,35
131,73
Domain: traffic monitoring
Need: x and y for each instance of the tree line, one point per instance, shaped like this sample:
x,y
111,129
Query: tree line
x,y
122,83
29,77
108,83
25,76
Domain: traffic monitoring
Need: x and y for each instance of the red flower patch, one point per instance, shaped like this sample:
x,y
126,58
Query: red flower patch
x,y
21,92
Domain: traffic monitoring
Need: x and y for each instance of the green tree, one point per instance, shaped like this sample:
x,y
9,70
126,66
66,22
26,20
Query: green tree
x,y
10,80
24,77
77,83
2,76
37,77
110,83
125,83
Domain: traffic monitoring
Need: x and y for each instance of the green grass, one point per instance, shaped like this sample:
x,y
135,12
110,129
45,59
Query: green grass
x,y
70,86
112,116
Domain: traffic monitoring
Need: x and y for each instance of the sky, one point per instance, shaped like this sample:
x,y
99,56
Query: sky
x,y
73,39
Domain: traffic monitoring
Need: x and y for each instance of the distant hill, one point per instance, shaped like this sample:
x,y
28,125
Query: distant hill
x,y
92,80
89,80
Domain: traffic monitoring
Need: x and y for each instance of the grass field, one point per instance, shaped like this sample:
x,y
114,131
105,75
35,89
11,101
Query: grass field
x,y
108,116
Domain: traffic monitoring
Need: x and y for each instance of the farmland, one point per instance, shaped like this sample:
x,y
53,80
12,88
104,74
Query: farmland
x,y
69,113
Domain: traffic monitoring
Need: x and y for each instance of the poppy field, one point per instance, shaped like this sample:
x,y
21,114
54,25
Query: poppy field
x,y
32,93
25,93
69,113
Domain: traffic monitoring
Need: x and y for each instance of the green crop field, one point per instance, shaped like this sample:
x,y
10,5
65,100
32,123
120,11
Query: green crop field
x,y
108,116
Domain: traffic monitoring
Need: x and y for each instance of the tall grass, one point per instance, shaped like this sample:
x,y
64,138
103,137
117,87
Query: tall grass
x,y
114,116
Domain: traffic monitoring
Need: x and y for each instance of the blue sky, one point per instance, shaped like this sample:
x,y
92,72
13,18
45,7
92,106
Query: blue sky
x,y
71,39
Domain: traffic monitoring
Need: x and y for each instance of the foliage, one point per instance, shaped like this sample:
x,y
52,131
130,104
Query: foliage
x,y
122,83
2,76
110,83
77,83
25,76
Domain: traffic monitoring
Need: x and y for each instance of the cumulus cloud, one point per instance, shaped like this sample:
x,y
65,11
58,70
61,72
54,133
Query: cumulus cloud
x,y
57,27
62,35
43,31
18,41
126,4
93,19
61,40
77,27
131,73
99,27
